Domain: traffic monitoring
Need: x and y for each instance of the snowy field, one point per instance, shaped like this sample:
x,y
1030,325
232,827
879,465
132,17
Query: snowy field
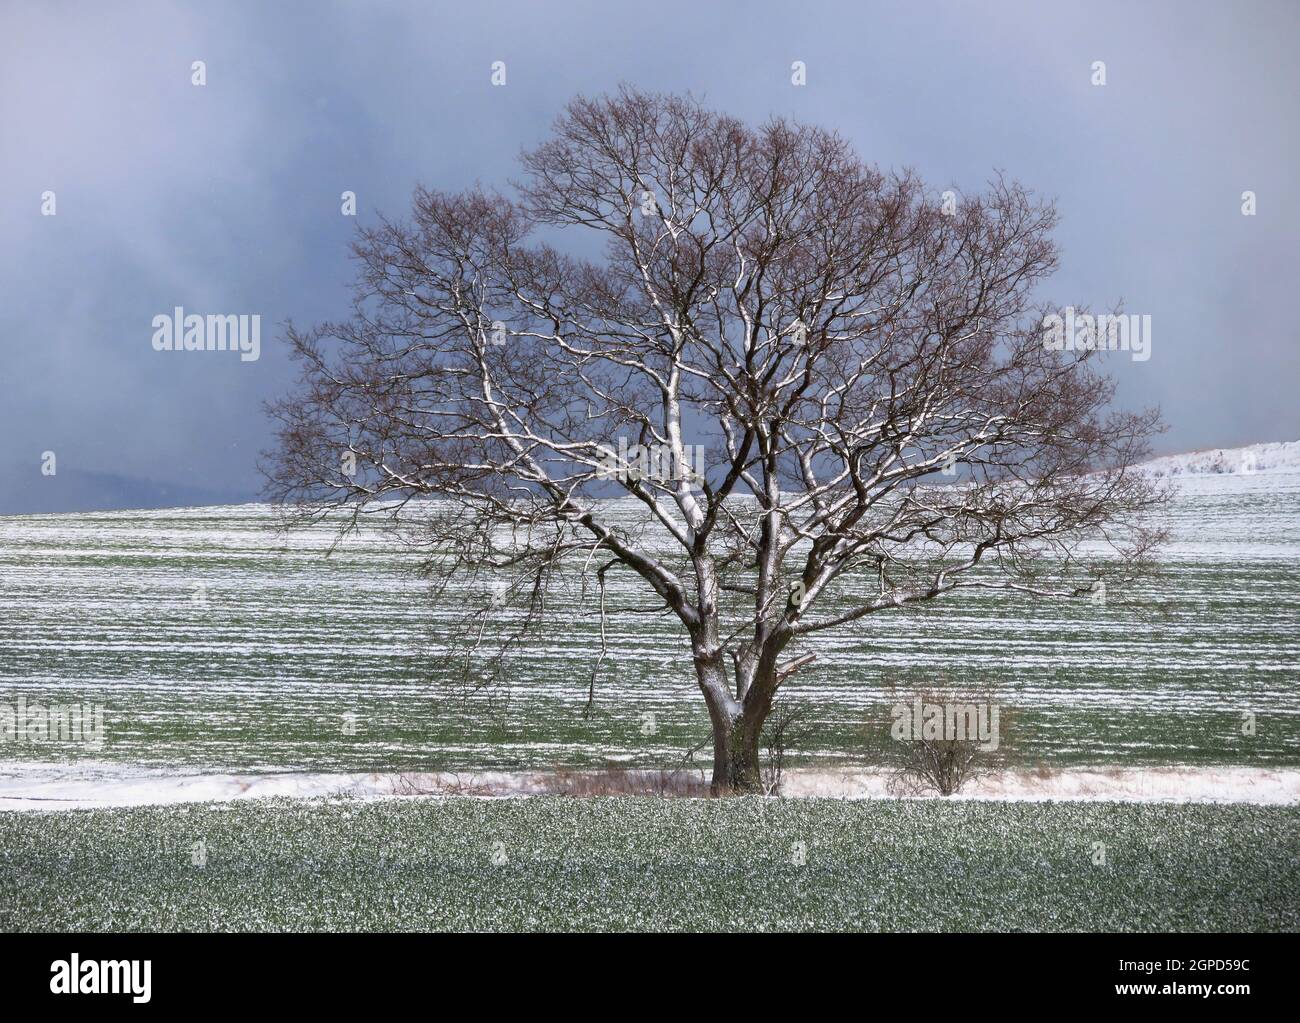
x,y
217,646
237,666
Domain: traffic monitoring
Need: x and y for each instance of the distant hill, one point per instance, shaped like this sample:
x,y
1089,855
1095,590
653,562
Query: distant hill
x,y
27,492
1276,456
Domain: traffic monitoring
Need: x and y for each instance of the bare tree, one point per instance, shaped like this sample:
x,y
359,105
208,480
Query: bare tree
x,y
865,369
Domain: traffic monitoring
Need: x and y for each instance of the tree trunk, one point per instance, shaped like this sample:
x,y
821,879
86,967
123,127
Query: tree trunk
x,y
736,766
737,723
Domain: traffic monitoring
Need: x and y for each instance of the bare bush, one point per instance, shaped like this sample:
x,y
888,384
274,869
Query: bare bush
x,y
785,724
943,738
934,765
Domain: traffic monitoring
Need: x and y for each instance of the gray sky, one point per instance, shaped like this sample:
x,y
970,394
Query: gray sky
x,y
225,198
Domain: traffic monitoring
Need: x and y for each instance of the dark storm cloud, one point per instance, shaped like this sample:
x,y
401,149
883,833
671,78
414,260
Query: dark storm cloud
x,y
225,198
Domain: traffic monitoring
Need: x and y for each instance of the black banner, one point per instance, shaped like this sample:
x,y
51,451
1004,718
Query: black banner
x,y
212,972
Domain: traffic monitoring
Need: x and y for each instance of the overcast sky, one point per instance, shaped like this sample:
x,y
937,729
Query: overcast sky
x,y
225,197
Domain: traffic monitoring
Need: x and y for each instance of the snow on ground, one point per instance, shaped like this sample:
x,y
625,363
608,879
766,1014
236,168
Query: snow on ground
x,y
1265,786
102,608
54,790
1277,456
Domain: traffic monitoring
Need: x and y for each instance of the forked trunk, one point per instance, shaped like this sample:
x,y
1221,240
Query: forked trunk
x,y
736,731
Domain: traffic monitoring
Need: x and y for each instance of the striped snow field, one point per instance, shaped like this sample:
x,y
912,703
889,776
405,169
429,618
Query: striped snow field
x,y
217,644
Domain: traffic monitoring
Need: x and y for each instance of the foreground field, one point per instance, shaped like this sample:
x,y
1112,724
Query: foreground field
x,y
632,864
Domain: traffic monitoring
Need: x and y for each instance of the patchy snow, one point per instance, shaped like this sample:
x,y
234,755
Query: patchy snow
x,y
52,790
1274,457
1124,785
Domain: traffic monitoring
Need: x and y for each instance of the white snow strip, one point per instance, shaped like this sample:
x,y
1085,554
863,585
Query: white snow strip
x,y
1263,786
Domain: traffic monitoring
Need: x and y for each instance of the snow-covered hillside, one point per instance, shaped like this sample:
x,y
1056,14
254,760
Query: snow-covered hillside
x,y
1277,456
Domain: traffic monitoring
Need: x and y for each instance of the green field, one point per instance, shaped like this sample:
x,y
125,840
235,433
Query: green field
x,y
661,864
218,644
